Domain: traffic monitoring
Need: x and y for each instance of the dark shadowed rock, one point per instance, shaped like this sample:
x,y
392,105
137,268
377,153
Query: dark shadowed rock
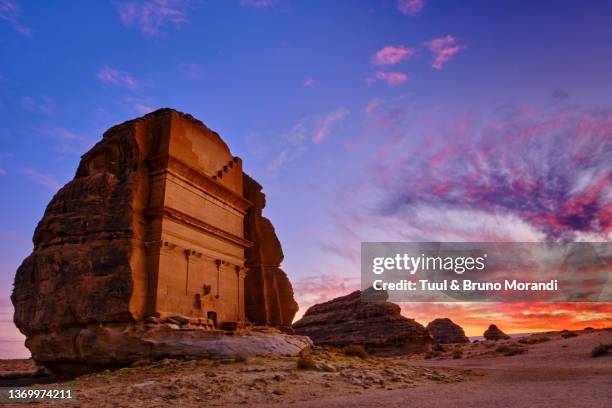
x,y
378,326
494,333
445,331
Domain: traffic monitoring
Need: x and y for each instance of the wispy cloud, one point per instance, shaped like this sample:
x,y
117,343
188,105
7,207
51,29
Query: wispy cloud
x,y
39,104
391,78
309,82
323,125
11,12
410,7
42,179
551,170
314,129
257,3
443,49
191,69
114,76
68,142
2,172
391,55
152,16
140,106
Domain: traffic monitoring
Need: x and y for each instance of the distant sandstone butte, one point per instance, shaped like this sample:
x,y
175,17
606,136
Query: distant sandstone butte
x,y
494,333
445,331
159,224
378,326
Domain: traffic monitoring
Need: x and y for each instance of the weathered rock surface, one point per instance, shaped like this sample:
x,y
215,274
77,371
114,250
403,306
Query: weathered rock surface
x,y
269,295
154,225
97,346
378,326
494,333
445,331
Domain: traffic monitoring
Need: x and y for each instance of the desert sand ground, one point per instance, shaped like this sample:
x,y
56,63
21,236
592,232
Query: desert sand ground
x,y
556,371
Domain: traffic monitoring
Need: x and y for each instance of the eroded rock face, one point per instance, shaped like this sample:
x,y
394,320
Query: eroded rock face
x,y
378,326
494,333
269,294
445,331
155,223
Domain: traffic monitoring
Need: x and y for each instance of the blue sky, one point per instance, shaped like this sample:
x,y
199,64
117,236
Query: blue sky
x,y
336,107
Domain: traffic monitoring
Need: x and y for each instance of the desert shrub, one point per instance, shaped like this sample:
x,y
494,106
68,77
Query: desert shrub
x,y
306,362
509,350
353,350
431,354
601,350
240,358
438,347
457,354
569,334
534,340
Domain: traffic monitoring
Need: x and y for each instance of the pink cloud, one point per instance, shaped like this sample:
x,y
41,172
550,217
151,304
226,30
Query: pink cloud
x,y
324,124
309,82
410,7
257,3
391,78
151,16
10,12
391,55
443,49
42,179
114,76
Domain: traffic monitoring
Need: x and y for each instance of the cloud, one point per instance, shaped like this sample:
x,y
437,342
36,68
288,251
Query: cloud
x,y
257,3
10,12
152,16
391,55
68,142
42,179
140,106
550,170
39,104
410,7
323,125
309,82
391,78
443,49
191,69
114,76
317,129
2,172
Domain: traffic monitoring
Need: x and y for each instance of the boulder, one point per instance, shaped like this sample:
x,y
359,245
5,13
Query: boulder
x,y
157,228
376,325
445,331
494,333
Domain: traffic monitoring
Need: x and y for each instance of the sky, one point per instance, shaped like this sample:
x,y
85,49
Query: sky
x,y
380,120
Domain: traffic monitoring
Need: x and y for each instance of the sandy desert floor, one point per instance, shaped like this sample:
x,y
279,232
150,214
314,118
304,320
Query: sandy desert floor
x,y
546,370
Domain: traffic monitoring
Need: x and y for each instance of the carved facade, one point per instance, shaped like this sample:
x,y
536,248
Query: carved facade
x,y
152,225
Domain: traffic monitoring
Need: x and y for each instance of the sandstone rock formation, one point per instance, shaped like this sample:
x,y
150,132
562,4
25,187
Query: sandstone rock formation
x,y
445,331
154,225
378,326
269,295
494,333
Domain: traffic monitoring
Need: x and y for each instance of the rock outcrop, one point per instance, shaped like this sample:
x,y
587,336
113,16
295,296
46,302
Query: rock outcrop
x,y
494,333
378,326
269,295
154,226
445,331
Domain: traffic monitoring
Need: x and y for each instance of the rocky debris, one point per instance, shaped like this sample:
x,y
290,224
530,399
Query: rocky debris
x,y
377,326
257,381
445,331
494,333
268,293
